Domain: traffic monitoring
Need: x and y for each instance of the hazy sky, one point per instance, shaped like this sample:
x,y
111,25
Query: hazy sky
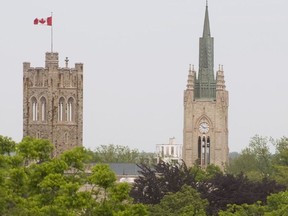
x,y
136,56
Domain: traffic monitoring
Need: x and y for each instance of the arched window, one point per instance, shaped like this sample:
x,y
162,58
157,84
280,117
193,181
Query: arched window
x,y
70,110
43,109
61,109
34,109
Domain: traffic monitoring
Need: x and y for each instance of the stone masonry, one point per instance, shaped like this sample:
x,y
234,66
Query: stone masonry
x,y
53,103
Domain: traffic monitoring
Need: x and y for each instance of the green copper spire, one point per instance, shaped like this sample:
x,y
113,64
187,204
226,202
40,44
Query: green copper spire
x,y
206,84
206,30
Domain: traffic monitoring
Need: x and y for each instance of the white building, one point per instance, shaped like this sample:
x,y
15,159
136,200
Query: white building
x,y
170,152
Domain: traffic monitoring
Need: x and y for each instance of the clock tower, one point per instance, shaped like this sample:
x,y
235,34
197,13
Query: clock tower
x,y
205,134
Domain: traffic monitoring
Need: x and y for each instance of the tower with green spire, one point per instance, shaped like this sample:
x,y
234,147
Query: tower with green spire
x,y
205,134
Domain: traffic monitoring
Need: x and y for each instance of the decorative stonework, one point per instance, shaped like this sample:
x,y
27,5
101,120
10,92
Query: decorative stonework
x,y
205,134
53,103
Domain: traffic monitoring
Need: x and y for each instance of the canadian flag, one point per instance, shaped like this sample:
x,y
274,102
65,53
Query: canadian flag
x,y
42,21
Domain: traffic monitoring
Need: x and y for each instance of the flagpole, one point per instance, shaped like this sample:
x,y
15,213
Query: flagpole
x,y
52,33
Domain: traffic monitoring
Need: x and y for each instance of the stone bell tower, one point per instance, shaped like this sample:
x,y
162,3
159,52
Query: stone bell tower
x,y
53,103
205,134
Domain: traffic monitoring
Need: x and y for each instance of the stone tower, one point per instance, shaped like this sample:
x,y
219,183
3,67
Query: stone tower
x,y
205,134
53,103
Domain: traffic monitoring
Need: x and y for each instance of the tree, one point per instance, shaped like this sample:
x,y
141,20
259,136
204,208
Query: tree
x,y
280,161
119,154
243,210
114,154
7,145
255,161
103,177
281,154
31,149
32,183
277,205
153,183
186,202
163,178
229,189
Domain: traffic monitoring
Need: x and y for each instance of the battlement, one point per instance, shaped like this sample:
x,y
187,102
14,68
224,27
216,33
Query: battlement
x,y
63,77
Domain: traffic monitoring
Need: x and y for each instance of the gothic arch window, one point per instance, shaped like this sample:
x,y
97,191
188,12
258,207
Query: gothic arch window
x,y
70,110
61,109
43,109
34,109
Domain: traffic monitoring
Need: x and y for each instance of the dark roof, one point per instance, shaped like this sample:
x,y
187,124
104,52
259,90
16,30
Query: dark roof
x,y
124,168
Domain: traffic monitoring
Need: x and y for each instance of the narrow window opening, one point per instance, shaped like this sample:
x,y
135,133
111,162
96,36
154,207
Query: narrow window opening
x,y
60,109
199,150
43,109
208,150
34,110
70,110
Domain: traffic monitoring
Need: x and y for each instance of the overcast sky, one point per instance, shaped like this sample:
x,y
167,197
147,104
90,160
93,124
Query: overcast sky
x,y
136,56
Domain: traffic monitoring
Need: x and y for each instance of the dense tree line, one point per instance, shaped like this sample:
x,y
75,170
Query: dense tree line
x,y
257,162
119,154
33,183
212,185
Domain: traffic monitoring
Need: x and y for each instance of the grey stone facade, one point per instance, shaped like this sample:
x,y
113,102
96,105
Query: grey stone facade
x,y
53,103
206,101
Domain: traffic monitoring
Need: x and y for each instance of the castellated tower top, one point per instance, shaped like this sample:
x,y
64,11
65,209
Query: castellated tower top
x,y
52,64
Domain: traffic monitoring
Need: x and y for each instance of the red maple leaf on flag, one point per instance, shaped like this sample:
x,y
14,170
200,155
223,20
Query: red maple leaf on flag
x,y
42,21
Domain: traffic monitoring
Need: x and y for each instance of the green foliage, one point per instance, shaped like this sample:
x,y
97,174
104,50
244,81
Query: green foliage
x,y
280,161
133,210
281,155
186,202
244,210
102,176
114,153
32,183
277,205
75,158
37,150
7,145
118,154
255,161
